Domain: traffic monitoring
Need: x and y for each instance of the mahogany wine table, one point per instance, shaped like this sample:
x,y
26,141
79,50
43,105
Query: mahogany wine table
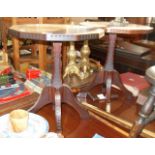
x,y
56,33
111,76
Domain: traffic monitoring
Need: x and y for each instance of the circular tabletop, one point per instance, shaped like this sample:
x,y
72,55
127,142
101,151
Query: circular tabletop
x,y
127,29
56,32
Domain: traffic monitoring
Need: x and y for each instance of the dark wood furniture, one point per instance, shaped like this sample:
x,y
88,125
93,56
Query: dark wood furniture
x,y
123,58
111,76
118,125
57,33
108,127
132,20
146,43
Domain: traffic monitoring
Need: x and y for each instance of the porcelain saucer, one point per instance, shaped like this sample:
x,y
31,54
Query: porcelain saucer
x,y
37,127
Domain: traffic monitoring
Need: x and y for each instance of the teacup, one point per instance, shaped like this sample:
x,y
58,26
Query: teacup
x,y
19,120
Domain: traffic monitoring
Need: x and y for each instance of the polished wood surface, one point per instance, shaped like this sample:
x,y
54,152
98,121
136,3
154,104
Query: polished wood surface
x,y
96,124
128,29
117,124
146,43
55,32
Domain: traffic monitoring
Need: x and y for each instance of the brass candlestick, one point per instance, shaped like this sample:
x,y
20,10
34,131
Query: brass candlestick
x,y
72,67
85,64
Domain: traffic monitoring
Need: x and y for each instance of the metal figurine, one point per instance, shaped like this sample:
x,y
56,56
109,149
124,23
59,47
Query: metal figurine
x,y
147,113
119,21
72,67
85,64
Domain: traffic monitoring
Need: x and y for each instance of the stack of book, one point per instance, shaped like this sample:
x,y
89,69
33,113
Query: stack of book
x,y
20,103
11,89
37,79
13,92
25,91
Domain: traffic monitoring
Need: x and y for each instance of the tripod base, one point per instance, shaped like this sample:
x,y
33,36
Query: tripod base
x,y
113,78
57,96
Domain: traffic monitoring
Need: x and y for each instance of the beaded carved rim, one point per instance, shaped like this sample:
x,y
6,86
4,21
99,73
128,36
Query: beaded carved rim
x,y
127,29
56,32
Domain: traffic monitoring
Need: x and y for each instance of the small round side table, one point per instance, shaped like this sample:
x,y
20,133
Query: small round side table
x,y
111,76
56,33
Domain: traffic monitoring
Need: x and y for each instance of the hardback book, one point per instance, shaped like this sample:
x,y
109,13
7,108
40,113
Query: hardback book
x,y
12,93
20,103
134,82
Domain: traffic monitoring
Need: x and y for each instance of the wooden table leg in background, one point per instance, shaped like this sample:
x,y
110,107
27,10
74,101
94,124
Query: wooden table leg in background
x,y
42,55
16,56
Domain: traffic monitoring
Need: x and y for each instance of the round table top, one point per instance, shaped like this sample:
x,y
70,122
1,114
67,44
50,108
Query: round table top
x,y
100,24
127,29
56,32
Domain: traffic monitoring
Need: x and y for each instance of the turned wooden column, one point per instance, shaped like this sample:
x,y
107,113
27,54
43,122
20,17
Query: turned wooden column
x,y
16,56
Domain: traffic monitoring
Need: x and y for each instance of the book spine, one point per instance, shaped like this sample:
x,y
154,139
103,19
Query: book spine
x,y
9,98
23,103
33,86
5,87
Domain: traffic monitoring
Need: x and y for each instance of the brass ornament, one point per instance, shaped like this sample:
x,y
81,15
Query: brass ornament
x,y
85,66
72,67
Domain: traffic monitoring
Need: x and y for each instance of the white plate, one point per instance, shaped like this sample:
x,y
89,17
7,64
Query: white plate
x,y
37,127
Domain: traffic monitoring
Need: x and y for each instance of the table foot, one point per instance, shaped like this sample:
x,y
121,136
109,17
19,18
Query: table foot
x,y
117,81
68,97
57,96
46,97
113,78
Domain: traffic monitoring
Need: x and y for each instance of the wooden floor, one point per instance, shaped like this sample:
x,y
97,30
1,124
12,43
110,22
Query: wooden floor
x,y
74,127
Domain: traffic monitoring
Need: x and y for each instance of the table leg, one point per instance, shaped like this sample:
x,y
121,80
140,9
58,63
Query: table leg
x,y
58,92
16,53
111,76
42,55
